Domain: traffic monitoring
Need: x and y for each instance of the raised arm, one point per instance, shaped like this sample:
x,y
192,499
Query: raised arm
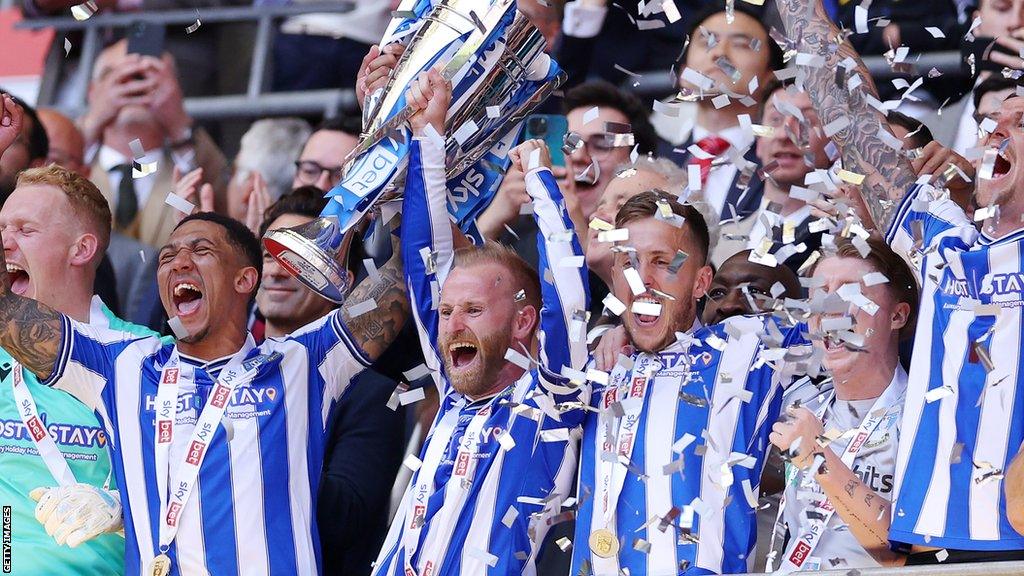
x,y
375,330
428,239
564,286
888,174
867,513
31,332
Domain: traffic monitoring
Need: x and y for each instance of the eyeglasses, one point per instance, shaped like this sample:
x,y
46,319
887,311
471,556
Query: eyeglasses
x,y
309,172
597,145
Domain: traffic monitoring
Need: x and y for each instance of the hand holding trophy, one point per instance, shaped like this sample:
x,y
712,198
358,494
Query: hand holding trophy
x,y
494,60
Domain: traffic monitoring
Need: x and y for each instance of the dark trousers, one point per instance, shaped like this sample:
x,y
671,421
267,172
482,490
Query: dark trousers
x,y
963,556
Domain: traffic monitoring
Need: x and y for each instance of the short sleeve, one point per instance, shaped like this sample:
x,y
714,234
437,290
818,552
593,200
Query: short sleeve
x,y
332,351
85,363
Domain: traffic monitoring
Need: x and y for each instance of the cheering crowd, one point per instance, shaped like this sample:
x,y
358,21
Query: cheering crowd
x,y
770,324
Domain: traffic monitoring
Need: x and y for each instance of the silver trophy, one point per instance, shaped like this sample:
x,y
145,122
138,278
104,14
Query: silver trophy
x,y
499,74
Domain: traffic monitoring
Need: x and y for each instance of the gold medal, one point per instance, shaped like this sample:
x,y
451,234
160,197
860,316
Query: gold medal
x,y
160,566
603,543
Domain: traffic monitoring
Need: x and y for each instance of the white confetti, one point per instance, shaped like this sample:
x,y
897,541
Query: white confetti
x,y
614,305
178,328
591,114
194,26
646,308
412,462
693,177
416,373
518,359
636,284
412,396
67,47
937,393
935,32
358,309
84,11
860,19
465,132
179,203
371,270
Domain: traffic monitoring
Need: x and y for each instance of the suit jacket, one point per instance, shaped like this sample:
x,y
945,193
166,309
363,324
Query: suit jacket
x,y
134,266
733,236
744,199
156,219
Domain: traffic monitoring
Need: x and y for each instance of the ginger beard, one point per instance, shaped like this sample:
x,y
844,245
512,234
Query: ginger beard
x,y
475,328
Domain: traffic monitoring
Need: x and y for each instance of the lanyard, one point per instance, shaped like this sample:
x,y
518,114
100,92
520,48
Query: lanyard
x,y
183,477
802,548
617,450
455,490
47,447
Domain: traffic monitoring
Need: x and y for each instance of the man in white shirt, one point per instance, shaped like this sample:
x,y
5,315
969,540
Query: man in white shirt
x,y
137,132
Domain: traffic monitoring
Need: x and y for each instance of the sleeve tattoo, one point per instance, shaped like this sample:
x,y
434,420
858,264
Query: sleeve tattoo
x,y
31,332
888,174
375,330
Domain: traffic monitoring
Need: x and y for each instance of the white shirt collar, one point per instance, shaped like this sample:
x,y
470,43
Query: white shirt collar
x,y
97,313
735,135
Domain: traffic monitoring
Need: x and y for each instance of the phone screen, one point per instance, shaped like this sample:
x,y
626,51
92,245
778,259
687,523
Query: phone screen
x,y
146,39
551,128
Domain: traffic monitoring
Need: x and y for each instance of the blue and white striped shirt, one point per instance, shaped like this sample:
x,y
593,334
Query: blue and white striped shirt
x,y
253,511
506,463
964,418
688,499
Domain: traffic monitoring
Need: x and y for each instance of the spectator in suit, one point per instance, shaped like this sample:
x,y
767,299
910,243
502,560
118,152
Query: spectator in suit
x,y
29,150
736,60
789,114
126,279
268,148
367,437
323,155
135,97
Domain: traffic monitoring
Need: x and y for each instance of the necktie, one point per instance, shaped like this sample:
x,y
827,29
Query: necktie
x,y
127,201
713,145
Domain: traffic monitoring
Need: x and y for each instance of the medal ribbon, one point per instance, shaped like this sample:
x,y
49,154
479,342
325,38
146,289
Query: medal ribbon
x,y
182,479
804,546
45,444
611,473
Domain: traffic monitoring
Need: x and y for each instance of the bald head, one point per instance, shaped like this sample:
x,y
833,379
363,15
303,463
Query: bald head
x,y
67,145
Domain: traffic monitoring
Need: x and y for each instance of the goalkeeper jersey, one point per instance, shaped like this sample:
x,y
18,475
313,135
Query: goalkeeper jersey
x,y
83,443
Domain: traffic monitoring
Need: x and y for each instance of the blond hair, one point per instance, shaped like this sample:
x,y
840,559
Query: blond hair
x,y
523,275
87,203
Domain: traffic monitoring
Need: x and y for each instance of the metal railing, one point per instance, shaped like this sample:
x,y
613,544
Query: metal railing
x,y
973,569
255,102
659,83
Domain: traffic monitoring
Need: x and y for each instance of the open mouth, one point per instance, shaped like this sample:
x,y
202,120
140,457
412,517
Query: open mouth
x,y
187,298
462,354
1002,165
645,304
19,279
788,158
832,343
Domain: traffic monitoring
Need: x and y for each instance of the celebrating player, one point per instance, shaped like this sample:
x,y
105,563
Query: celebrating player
x,y
56,226
961,422
217,444
499,459
673,451
854,474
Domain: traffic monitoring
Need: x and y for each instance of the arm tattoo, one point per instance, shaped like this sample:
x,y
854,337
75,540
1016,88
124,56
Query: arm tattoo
x,y
31,332
375,330
888,174
850,488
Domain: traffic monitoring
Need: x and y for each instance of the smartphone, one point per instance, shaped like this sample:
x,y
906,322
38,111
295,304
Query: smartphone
x,y
551,128
146,39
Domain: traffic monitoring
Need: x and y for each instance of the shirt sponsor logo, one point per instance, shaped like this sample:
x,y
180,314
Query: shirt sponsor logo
x,y
462,463
63,434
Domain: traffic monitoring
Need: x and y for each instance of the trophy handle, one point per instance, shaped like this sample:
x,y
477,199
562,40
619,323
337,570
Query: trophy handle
x,y
316,253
